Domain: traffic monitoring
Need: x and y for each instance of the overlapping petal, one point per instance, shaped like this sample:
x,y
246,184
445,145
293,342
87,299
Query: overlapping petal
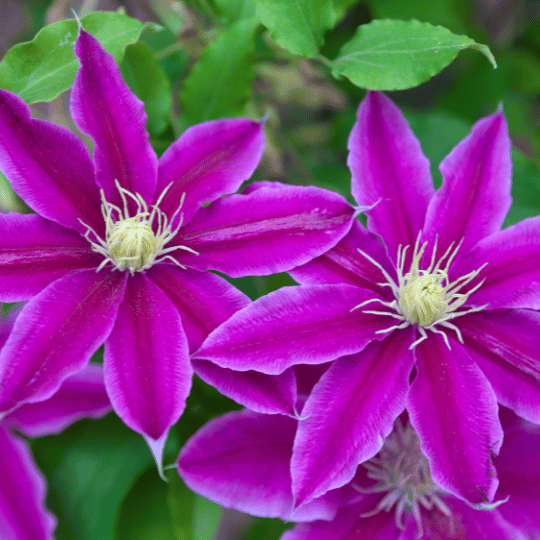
x,y
208,160
349,525
346,417
512,274
294,325
454,410
258,392
47,166
345,264
56,333
389,171
146,361
475,196
34,252
270,230
23,515
202,299
81,395
241,460
103,106
505,345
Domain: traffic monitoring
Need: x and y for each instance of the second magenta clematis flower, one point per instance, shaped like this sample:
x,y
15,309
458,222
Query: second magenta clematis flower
x,y
120,246
429,309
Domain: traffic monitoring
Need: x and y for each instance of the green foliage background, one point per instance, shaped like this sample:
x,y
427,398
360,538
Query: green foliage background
x,y
302,65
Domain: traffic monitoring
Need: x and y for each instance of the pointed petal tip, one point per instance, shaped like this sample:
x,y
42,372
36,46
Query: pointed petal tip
x,y
156,447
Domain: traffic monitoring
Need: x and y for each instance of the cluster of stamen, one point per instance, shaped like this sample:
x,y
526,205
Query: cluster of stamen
x,y
131,243
402,471
425,298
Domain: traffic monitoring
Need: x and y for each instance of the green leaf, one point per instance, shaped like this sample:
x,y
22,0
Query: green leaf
x,y
393,55
41,69
90,467
147,79
180,502
206,519
297,25
234,10
220,83
173,19
143,513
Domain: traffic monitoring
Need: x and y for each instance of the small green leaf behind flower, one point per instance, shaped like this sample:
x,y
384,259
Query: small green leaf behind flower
x,y
394,55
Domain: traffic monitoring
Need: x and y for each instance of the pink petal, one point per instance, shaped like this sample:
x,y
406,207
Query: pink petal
x,y
389,171
349,525
103,106
81,395
294,325
34,252
475,196
146,362
513,267
349,413
241,460
23,515
56,333
345,264
209,160
454,410
47,166
259,392
505,345
270,230
202,299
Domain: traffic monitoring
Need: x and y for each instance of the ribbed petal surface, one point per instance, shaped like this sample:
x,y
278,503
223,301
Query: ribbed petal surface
x,y
475,196
505,345
346,417
56,333
202,299
349,525
389,170
81,395
241,460
270,230
23,515
146,362
513,267
454,411
209,160
294,325
34,252
345,264
103,106
259,392
47,166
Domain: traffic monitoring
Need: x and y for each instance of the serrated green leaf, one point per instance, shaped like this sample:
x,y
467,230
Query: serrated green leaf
x,y
147,79
143,514
220,83
41,69
394,55
297,25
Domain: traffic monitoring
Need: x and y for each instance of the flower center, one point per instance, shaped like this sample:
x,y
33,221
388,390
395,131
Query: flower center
x,y
130,241
426,298
402,472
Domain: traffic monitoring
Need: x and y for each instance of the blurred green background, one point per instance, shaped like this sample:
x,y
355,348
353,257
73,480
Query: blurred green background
x,y
211,59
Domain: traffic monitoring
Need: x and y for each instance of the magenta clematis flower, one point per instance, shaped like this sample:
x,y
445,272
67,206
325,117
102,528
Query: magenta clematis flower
x,y
392,496
23,515
119,250
428,309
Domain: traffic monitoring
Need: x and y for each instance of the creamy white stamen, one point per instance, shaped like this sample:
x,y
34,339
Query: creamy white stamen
x,y
130,241
425,298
